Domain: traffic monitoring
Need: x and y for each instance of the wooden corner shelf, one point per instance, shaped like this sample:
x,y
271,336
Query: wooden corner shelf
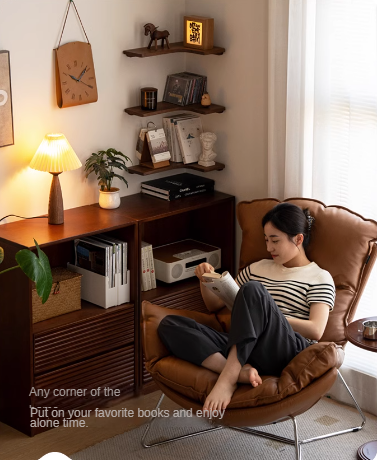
x,y
174,48
165,107
143,171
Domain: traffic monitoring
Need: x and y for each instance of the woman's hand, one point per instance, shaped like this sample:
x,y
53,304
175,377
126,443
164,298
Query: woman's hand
x,y
203,268
213,303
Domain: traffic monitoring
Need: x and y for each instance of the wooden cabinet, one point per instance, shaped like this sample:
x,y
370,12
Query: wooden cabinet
x,y
94,347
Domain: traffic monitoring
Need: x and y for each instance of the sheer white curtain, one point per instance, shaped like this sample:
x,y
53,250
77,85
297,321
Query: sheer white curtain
x,y
326,144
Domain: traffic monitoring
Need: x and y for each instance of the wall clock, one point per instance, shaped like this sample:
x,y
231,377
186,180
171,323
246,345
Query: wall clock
x,y
75,77
6,112
74,70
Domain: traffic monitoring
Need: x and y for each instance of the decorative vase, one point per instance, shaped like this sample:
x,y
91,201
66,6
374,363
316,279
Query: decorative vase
x,y
109,200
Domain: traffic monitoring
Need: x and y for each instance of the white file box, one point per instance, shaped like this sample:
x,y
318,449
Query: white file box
x,y
95,288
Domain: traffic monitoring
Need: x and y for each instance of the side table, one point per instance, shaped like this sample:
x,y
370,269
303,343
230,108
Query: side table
x,y
354,333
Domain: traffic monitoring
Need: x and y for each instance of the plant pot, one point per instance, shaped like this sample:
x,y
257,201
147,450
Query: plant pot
x,y
109,200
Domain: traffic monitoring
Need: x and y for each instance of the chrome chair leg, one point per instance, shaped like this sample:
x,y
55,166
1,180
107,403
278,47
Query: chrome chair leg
x,y
176,438
297,442
348,430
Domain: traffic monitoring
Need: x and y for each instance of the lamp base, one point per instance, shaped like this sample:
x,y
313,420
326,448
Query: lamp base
x,y
55,203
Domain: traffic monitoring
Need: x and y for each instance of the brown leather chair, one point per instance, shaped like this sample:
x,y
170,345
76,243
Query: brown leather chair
x,y
344,243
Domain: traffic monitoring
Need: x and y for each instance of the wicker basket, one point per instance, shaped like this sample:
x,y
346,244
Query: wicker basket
x,y
65,295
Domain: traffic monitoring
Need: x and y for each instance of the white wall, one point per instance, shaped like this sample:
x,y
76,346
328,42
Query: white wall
x,y
238,79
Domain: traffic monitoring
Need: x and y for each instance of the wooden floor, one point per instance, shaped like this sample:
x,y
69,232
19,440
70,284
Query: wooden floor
x,y
17,446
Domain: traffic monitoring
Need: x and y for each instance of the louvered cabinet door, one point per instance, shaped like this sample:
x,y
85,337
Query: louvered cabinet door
x,y
73,342
93,353
96,378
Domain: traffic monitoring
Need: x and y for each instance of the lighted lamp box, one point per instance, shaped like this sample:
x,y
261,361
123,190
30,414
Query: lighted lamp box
x,y
198,32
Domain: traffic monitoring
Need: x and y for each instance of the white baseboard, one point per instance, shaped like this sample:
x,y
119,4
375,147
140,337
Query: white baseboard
x,y
362,386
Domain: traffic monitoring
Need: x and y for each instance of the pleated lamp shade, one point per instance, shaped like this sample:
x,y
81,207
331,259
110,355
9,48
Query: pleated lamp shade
x,y
55,155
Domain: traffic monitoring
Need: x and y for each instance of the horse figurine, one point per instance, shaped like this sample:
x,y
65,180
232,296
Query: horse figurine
x,y
156,35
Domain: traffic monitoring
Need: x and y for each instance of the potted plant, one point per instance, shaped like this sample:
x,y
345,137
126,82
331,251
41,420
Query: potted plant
x,y
36,268
103,164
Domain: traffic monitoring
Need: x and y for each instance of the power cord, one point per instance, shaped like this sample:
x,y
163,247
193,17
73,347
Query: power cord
x,y
14,215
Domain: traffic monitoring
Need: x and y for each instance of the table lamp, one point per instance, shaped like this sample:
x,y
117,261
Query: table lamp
x,y
55,156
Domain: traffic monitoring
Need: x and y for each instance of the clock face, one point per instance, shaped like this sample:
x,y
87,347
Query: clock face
x,y
79,81
76,84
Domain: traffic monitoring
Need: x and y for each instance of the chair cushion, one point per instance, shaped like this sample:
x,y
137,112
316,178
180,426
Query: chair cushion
x,y
195,382
341,242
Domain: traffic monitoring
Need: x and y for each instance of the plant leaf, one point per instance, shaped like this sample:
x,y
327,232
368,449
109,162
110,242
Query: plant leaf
x,y
121,178
37,269
1,254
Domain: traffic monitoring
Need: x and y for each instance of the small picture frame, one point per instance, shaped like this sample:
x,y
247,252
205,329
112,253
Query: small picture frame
x,y
6,111
198,32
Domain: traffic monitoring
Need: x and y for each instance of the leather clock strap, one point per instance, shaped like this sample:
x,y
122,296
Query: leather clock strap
x,y
65,20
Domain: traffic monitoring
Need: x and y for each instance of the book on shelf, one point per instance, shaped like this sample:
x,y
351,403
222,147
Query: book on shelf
x,y
223,285
151,265
179,183
104,255
176,89
188,133
102,260
184,88
175,196
171,135
119,252
197,88
148,277
92,255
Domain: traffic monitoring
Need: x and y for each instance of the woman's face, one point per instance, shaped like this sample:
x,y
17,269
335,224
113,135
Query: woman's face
x,y
283,250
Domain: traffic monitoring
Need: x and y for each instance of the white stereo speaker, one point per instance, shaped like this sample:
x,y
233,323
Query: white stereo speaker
x,y
177,261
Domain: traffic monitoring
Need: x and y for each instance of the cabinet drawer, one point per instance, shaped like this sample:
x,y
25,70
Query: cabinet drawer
x,y
76,341
114,370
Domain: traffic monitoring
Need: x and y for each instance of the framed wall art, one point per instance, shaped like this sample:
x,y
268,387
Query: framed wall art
x,y
6,111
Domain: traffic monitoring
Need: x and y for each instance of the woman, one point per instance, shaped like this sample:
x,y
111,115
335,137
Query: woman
x,y
281,308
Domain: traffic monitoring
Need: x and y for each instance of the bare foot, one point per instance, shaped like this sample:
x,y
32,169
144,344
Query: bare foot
x,y
221,394
249,374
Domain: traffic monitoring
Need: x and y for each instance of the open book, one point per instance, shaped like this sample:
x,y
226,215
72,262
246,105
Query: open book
x,y
223,285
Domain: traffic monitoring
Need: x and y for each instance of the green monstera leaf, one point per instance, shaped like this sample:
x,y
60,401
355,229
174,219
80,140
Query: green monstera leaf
x,y
37,269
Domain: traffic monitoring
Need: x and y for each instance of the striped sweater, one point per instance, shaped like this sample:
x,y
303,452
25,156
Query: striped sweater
x,y
293,289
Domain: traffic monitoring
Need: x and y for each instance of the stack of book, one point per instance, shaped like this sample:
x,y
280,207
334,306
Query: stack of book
x,y
182,133
177,186
102,260
185,88
148,276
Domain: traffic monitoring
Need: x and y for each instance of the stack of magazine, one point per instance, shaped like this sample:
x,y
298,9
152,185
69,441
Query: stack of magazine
x,y
102,259
148,276
182,133
178,186
185,88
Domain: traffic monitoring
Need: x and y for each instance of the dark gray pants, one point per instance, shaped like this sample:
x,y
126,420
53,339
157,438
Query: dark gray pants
x,y
260,331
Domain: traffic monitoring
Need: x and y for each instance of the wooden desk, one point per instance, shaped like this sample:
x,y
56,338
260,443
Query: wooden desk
x,y
354,333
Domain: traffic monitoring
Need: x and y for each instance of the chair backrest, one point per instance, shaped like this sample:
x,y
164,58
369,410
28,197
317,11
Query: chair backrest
x,y
342,242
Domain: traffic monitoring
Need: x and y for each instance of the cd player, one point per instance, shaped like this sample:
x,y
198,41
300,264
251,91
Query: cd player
x,y
177,261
